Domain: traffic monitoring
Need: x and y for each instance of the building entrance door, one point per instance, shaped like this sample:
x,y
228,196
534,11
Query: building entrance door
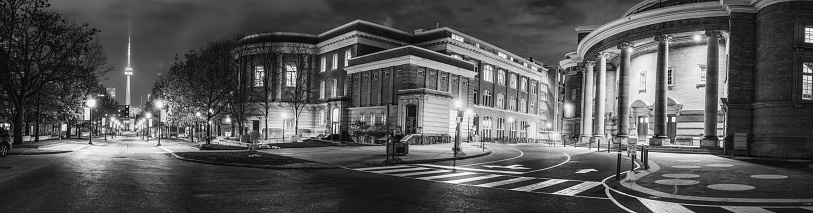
x,y
255,125
411,125
671,128
643,127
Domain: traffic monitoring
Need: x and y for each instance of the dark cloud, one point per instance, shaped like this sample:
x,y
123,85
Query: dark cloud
x,y
543,29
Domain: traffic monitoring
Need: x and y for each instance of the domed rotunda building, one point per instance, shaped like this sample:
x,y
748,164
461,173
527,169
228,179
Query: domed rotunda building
x,y
728,75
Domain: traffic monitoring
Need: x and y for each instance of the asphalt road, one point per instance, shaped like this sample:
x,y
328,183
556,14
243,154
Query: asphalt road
x,y
129,175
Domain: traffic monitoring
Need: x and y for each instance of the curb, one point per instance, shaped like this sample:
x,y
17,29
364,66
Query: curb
x,y
41,153
432,160
286,166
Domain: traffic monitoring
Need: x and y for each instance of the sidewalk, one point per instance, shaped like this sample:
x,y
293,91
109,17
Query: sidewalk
x,y
359,156
703,178
53,146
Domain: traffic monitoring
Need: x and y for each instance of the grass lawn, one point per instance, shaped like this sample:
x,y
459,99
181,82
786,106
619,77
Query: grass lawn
x,y
219,147
241,157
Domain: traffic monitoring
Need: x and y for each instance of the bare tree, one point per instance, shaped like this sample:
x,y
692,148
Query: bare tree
x,y
267,56
299,86
38,48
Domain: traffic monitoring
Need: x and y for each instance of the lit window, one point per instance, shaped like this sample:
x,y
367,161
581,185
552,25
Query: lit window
x,y
347,55
523,105
512,103
458,38
702,73
807,81
322,118
808,34
259,76
503,55
335,64
513,81
487,127
362,118
324,64
488,73
500,101
290,75
533,87
487,99
501,77
335,87
642,84
500,127
322,90
523,84
457,57
383,118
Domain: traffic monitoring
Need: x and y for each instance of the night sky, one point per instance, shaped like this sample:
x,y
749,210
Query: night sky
x,y
542,29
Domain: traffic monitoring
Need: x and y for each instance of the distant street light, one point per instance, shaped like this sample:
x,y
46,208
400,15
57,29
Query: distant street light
x,y
91,103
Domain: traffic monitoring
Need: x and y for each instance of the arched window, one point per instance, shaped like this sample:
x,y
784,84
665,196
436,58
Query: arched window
x,y
523,84
501,77
500,101
523,105
488,73
487,98
512,103
513,82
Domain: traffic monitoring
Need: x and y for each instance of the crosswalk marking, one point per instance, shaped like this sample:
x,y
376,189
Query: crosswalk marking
x,y
658,206
505,182
472,179
377,168
746,209
446,176
577,188
421,173
398,170
536,186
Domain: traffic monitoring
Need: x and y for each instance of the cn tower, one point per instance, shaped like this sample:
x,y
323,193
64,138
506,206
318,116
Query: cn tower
x,y
128,72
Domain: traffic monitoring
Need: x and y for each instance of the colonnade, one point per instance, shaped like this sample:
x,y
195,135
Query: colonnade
x,y
597,131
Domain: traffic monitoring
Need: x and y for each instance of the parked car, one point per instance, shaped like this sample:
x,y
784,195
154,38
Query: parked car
x,y
5,142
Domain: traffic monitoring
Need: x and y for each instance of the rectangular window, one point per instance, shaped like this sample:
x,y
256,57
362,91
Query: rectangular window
x,y
259,76
458,38
322,90
669,77
290,75
324,64
809,35
503,55
347,55
501,77
642,84
488,73
335,88
807,81
335,64
533,87
702,73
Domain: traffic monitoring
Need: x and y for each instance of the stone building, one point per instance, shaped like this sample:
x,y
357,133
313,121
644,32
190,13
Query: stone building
x,y
416,84
731,74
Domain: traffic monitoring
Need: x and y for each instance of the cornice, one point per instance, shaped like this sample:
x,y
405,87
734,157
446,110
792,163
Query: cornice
x,y
409,59
680,12
759,4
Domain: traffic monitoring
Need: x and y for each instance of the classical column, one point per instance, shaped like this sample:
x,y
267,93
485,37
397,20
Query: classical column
x,y
601,95
660,90
623,92
712,72
587,99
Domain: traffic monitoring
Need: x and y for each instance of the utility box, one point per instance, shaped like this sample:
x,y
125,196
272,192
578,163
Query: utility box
x,y
397,148
740,141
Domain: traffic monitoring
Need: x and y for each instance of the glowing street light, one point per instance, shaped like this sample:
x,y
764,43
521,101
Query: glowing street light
x,y
91,103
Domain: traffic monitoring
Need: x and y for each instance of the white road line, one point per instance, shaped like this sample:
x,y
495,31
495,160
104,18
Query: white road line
x,y
573,190
399,170
420,173
505,182
473,179
540,185
746,209
659,206
550,167
470,169
807,208
446,176
520,155
376,168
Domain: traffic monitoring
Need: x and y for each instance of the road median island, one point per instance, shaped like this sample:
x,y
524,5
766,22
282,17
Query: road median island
x,y
251,159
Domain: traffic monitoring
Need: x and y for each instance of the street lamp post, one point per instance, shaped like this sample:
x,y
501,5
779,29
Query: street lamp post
x,y
159,104
284,116
459,119
91,103
197,114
